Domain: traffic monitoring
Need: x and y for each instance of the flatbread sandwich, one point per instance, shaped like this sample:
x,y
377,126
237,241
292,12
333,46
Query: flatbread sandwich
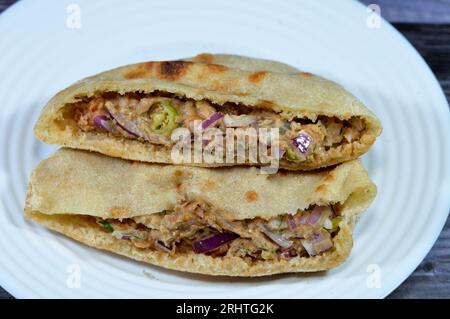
x,y
223,221
132,112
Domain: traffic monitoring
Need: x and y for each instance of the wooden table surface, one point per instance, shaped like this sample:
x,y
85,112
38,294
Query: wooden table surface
x,y
426,24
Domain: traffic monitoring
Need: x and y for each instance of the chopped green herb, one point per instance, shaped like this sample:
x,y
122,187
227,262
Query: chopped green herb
x,y
244,250
106,225
335,222
290,155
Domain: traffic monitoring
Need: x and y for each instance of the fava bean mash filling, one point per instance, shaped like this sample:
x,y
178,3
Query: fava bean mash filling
x,y
152,118
195,226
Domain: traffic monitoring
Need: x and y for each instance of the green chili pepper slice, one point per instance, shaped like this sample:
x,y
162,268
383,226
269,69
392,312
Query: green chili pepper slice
x,y
164,118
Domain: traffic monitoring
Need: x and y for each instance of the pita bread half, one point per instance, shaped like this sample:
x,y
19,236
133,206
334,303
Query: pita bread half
x,y
255,83
71,185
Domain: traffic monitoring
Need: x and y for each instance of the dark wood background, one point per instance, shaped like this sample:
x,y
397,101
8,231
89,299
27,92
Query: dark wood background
x,y
426,24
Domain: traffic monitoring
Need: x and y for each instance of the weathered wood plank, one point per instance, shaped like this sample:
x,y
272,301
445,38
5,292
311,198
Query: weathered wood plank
x,y
432,278
413,11
433,43
5,4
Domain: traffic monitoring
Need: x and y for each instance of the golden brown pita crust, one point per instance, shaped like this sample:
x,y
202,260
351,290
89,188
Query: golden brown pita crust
x,y
72,183
244,63
295,94
80,182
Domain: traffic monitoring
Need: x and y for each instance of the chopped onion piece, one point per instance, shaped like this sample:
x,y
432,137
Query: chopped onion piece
x,y
303,219
321,242
308,245
103,122
315,215
124,123
277,238
211,120
302,142
291,221
328,224
213,242
326,213
323,245
319,215
295,222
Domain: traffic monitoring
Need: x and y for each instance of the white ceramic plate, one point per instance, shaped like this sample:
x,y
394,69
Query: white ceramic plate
x,y
40,54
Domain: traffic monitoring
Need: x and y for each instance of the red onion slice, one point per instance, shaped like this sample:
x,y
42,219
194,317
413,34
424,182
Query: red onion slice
x,y
322,242
323,245
277,238
291,222
315,215
125,124
213,242
297,221
104,122
308,245
211,120
302,142
303,219
319,244
319,215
